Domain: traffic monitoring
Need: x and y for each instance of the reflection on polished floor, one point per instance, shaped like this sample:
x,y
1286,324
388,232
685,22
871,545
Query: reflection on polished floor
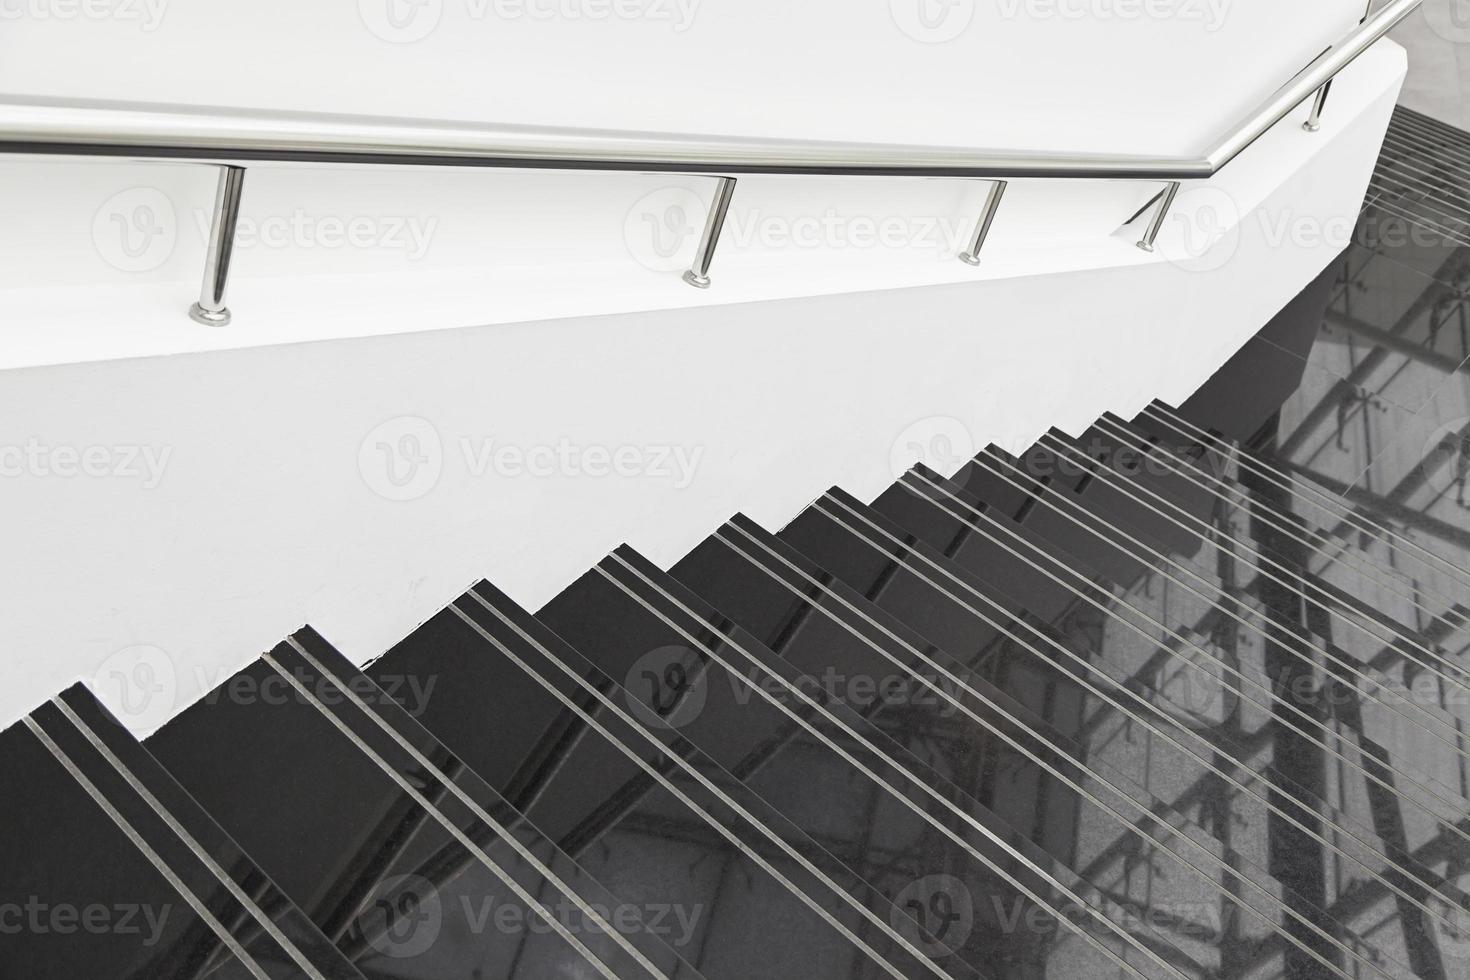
x,y
1183,697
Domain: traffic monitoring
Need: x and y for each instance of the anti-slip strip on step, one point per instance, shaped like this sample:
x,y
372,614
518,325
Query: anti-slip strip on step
x,y
633,948
840,738
1452,233
1324,544
820,533
1440,802
1362,623
1308,495
1406,131
1196,582
1268,559
1236,478
140,882
1427,603
1451,168
1443,805
1406,167
404,859
1412,165
1312,499
742,835
756,578
1424,171
1449,133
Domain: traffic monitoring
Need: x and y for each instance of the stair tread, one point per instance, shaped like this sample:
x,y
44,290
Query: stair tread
x,y
395,848
119,873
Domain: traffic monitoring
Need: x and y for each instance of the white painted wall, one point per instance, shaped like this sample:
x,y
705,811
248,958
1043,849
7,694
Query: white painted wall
x,y
100,259
273,506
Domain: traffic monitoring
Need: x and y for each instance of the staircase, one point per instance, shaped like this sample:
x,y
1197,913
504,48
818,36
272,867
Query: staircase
x,y
1143,703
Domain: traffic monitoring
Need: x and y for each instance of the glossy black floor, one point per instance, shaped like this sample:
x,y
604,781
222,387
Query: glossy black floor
x,y
1183,696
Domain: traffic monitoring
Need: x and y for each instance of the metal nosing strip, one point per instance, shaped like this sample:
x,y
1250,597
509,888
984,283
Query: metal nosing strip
x,y
256,913
1289,483
1388,166
1119,818
530,901
1266,514
148,852
914,781
1305,653
1327,603
1269,515
704,782
1303,493
1455,805
1207,763
1407,131
454,789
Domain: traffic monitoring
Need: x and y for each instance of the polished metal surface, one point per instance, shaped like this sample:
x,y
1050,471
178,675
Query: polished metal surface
x,y
1314,121
215,134
704,255
232,136
1156,223
971,255
211,310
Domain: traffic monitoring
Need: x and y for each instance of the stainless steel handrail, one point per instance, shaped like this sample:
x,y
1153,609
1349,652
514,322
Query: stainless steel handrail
x,y
229,137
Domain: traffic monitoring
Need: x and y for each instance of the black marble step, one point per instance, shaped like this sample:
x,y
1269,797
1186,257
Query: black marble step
x,y
110,870
1355,565
771,901
843,770
1029,773
1274,547
1274,794
1218,596
400,854
1075,474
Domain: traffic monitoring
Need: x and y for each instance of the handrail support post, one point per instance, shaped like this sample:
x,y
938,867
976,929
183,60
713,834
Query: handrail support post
x,y
1156,223
1314,121
211,309
987,218
704,256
